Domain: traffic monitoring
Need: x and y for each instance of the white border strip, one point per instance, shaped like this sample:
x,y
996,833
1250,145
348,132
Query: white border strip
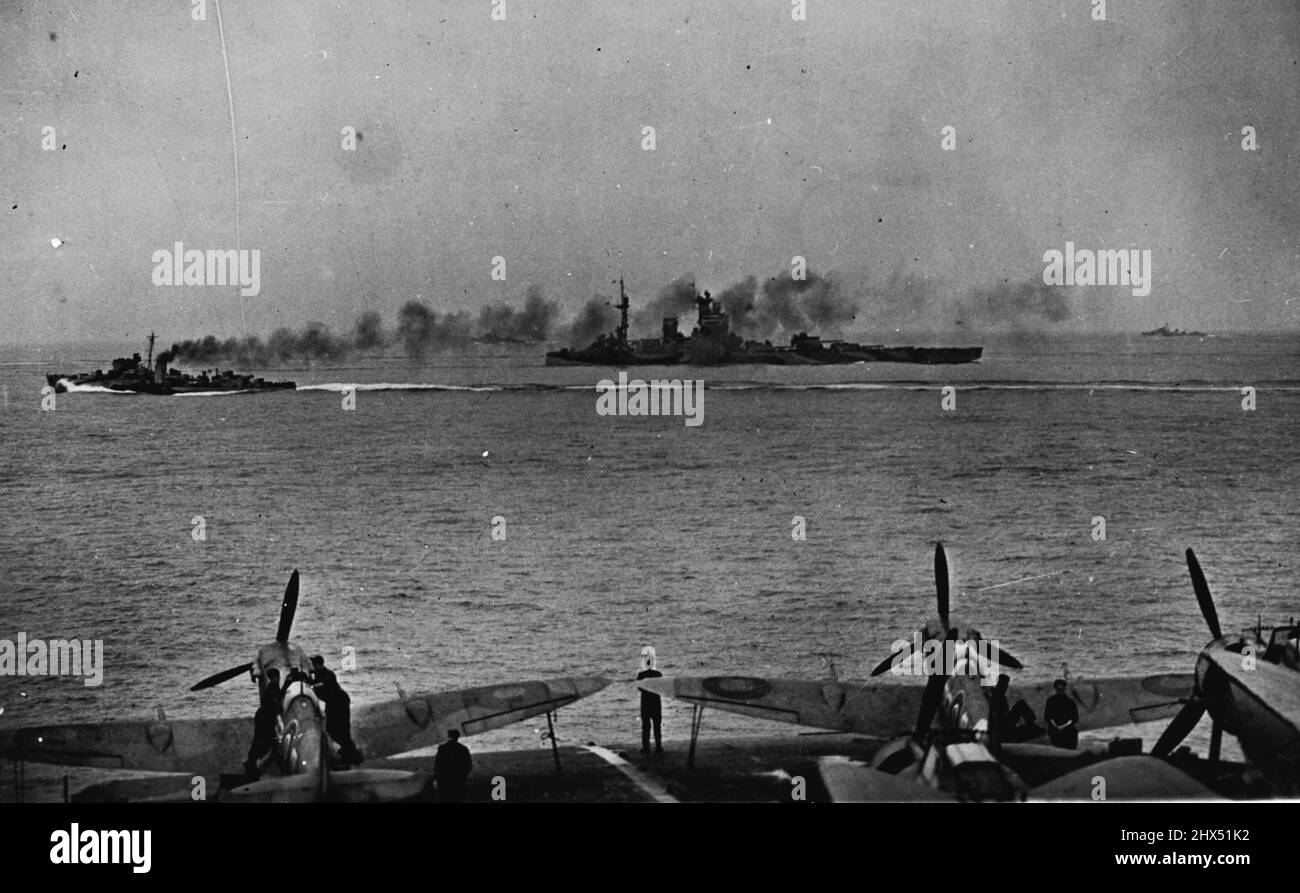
x,y
635,775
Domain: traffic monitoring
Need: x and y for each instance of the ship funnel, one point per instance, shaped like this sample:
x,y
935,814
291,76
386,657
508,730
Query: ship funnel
x,y
160,366
670,328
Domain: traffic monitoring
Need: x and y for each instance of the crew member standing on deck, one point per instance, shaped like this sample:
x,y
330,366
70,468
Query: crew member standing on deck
x,y
1062,718
338,710
451,767
651,706
268,711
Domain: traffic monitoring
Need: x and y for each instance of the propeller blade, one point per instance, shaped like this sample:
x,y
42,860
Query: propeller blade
x,y
1002,658
898,656
941,583
930,703
1203,597
287,608
1183,723
218,678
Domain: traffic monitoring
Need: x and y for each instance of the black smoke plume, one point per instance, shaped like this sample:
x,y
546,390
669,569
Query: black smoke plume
x,y
315,342
739,301
1022,304
533,323
674,299
781,307
797,305
827,304
595,318
419,331
369,331
786,306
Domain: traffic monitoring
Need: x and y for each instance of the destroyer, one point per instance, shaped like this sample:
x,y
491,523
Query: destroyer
x,y
150,377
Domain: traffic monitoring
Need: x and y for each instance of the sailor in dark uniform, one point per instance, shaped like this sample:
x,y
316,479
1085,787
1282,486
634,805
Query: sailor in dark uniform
x,y
451,767
651,706
268,711
1062,718
338,710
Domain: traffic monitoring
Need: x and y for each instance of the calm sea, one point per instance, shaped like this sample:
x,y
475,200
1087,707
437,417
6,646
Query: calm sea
x,y
621,532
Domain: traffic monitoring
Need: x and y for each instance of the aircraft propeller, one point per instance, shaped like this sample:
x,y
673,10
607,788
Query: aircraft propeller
x,y
1200,700
942,587
1203,597
941,582
933,695
288,607
218,678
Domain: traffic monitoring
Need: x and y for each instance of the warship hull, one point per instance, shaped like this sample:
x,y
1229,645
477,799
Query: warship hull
x,y
131,375
592,357
60,384
1166,332
762,355
930,356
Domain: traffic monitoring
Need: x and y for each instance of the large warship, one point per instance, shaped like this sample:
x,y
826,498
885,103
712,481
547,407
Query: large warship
x,y
712,343
156,377
1166,332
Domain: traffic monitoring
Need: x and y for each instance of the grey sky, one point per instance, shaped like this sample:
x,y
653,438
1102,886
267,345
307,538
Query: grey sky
x,y
523,138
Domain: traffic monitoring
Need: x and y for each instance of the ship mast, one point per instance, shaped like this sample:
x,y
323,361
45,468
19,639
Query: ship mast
x,y
149,360
622,306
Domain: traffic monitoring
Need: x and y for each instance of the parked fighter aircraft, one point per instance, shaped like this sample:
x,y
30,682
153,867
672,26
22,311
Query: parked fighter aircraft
x,y
301,751
885,709
1255,696
958,751
1249,687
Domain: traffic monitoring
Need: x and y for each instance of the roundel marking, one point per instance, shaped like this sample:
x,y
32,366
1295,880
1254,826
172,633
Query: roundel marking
x,y
418,711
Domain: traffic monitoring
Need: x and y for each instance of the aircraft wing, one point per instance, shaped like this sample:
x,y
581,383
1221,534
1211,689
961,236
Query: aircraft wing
x,y
193,746
348,786
1114,700
420,720
885,709
878,709
211,746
